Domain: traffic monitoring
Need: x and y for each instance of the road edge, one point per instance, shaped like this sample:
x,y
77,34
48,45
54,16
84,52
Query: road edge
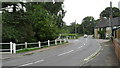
x,y
92,56
32,52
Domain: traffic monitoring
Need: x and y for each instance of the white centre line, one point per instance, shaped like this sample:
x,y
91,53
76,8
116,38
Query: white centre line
x,y
65,53
38,61
27,64
32,63
79,47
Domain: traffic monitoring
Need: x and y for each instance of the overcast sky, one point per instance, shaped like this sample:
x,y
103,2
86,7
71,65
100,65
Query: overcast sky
x,y
78,9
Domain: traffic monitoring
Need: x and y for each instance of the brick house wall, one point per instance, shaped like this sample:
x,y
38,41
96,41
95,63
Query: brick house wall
x,y
96,33
118,33
108,32
116,42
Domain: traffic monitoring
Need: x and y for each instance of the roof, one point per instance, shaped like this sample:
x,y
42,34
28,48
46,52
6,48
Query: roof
x,y
106,22
116,21
102,23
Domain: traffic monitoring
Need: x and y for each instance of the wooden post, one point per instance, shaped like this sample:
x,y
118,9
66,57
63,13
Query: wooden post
x,y
39,43
14,48
25,44
55,42
48,42
11,47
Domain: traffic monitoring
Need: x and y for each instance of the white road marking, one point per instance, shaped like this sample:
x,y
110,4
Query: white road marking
x,y
38,61
27,64
86,39
79,47
32,63
92,55
65,53
84,44
76,40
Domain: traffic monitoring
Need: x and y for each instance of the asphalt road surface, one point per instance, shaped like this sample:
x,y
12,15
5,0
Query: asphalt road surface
x,y
71,55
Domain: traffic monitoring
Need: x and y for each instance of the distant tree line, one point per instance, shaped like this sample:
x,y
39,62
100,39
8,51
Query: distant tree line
x,y
88,23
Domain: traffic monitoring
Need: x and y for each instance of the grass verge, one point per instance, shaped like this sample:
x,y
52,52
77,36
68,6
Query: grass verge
x,y
31,49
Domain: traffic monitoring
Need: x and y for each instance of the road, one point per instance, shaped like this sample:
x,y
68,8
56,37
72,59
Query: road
x,y
71,55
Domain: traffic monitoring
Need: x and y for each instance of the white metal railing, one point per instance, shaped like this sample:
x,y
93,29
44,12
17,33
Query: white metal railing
x,y
13,46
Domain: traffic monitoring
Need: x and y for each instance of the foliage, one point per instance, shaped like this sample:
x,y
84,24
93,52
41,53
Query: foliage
x,y
43,23
86,27
88,24
40,22
15,28
107,12
70,35
102,33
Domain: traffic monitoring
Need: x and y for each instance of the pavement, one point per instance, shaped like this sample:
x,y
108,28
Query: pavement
x,y
106,57
71,54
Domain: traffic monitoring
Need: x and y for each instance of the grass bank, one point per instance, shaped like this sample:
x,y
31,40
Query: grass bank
x,y
32,49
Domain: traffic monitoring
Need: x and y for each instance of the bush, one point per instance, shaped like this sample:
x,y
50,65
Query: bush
x,y
70,36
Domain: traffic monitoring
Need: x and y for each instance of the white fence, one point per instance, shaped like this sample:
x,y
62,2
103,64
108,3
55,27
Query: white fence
x,y
13,46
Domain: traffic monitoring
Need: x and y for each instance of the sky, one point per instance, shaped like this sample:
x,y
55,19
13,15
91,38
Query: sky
x,y
79,9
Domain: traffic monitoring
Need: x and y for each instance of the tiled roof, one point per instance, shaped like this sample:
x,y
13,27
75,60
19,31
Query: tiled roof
x,y
105,23
116,21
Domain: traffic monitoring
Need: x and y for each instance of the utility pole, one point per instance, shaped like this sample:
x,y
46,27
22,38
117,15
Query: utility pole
x,y
111,16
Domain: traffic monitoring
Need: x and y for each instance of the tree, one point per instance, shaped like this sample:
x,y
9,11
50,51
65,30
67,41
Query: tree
x,y
15,26
44,22
87,24
107,11
37,23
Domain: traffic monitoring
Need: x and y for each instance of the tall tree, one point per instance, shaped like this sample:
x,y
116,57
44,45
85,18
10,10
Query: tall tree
x,y
37,23
15,25
107,11
88,23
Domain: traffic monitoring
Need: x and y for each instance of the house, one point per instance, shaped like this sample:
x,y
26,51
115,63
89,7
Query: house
x,y
101,26
103,30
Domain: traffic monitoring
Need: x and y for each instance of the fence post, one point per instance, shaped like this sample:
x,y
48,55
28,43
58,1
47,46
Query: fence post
x,y
39,43
14,48
60,41
64,40
55,42
11,47
25,44
48,42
